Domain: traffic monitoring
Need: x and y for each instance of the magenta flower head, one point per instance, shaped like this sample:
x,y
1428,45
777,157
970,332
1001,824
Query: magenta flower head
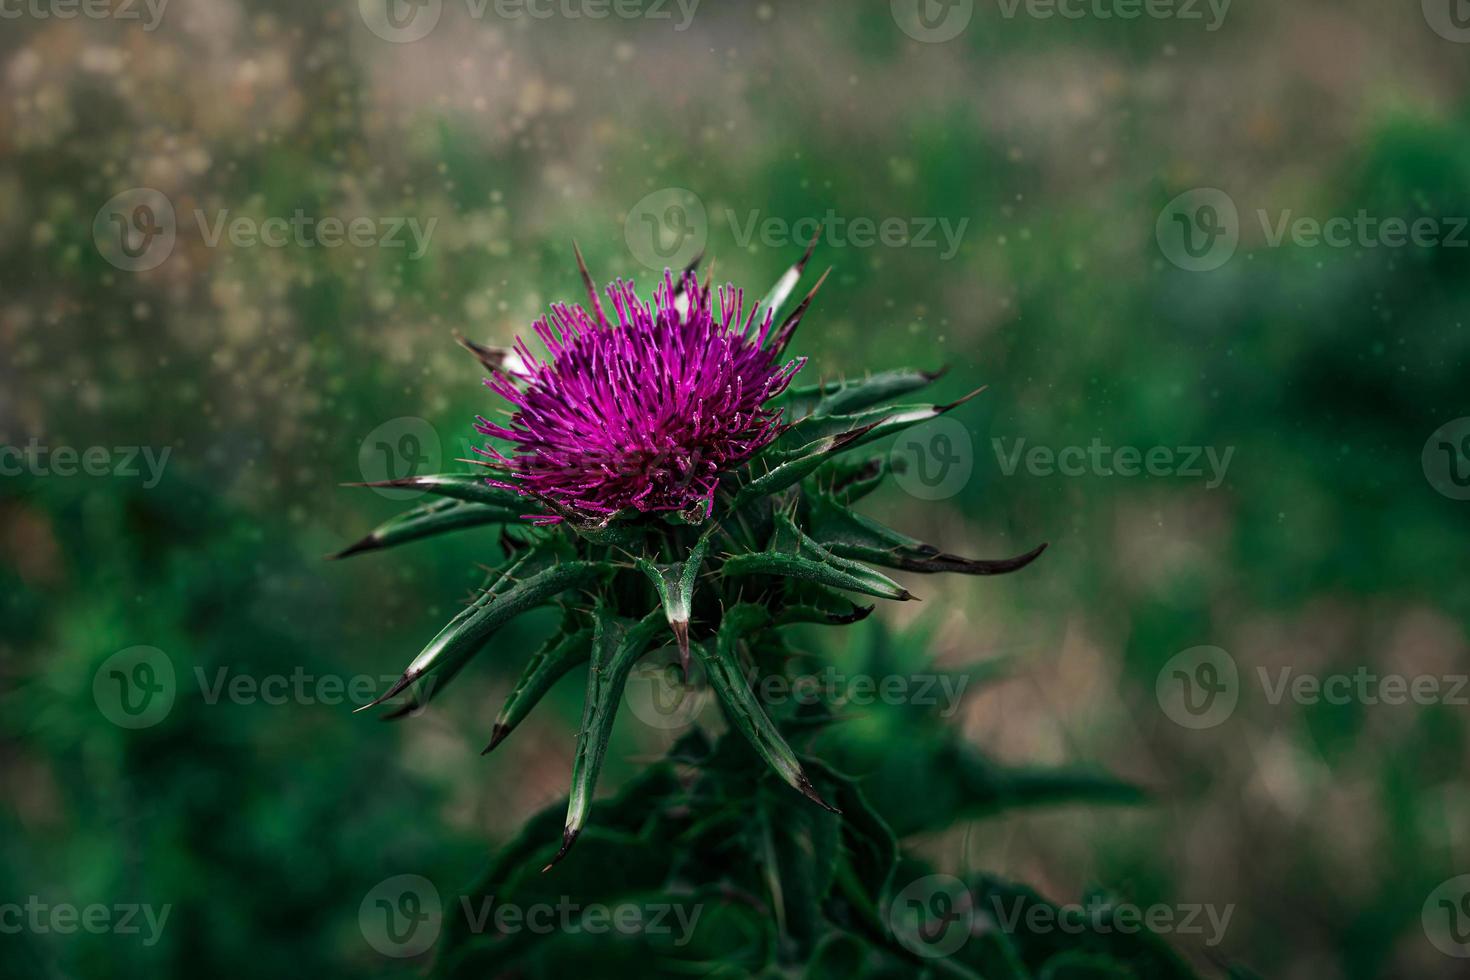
x,y
643,414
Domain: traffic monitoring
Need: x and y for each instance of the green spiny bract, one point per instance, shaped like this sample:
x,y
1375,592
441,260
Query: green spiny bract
x,y
717,531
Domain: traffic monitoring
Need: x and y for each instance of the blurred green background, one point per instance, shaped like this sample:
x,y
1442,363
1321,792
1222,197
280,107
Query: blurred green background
x,y
271,374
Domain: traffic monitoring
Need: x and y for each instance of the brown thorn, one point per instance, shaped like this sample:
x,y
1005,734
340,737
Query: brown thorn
x,y
591,287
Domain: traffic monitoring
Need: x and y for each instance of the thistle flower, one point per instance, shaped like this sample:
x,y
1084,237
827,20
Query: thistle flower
x,y
644,414
674,479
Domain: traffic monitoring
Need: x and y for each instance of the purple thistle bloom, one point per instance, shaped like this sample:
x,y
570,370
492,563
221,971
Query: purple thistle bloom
x,y
646,413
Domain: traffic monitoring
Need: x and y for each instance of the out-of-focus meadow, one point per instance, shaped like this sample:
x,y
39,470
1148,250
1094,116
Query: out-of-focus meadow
x,y
1022,181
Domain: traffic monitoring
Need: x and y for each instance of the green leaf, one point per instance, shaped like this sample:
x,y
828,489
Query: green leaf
x,y
848,481
607,531
460,486
839,397
787,468
722,665
1079,965
513,870
547,666
466,632
617,644
1074,942
806,602
851,535
919,784
802,845
675,585
436,517
829,570
809,561
839,956
781,291
879,423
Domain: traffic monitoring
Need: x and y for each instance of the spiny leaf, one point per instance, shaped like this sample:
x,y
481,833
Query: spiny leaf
x,y
848,481
591,287
605,532
616,646
929,560
852,395
839,573
501,359
787,330
461,486
681,298
425,689
791,467
809,561
465,633
881,422
851,535
806,602
722,664
781,291
675,585
436,517
547,666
